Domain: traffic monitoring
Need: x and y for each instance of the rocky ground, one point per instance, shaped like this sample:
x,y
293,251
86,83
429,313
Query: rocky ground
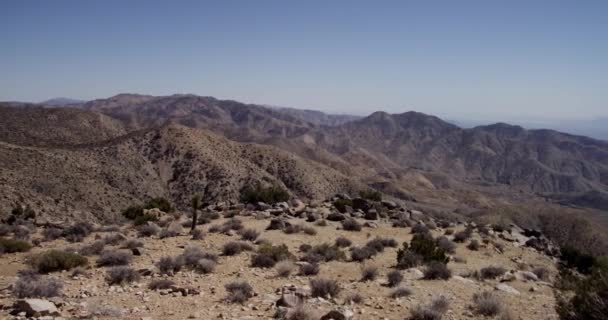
x,y
199,295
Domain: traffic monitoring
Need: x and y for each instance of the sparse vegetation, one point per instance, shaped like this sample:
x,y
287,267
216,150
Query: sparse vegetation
x,y
369,273
160,284
401,292
170,265
238,292
205,265
94,248
56,260
284,268
437,270
473,245
121,275
324,288
249,234
268,255
487,304
324,252
12,246
270,195
491,272
309,269
37,287
148,230
371,195
233,248
394,278
432,311
114,258
341,204
343,242
351,224
77,232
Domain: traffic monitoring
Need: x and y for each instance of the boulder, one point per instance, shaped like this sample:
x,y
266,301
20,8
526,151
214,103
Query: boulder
x,y
340,314
389,204
526,276
262,206
335,216
36,308
289,300
276,224
175,227
506,288
361,204
371,214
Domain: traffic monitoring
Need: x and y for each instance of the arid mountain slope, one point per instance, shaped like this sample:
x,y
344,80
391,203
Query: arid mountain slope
x,y
35,126
172,161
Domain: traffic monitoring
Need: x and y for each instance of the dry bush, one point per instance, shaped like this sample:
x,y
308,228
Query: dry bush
x,y
321,223
114,239
121,275
148,230
197,234
409,260
401,292
292,229
394,278
284,268
238,292
94,248
369,273
324,252
487,304
170,265
299,313
37,287
432,311
133,244
50,234
463,235
305,247
351,224
309,230
491,272
103,310
114,258
473,245
249,234
324,288
437,270
166,233
233,248
359,254
309,269
343,242
160,284
78,231
205,265
268,255
542,273
56,260
445,244
420,228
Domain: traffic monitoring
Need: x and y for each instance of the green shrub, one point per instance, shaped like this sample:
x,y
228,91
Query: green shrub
x,y
278,253
426,246
56,260
160,203
574,259
137,212
270,195
371,195
12,246
133,212
341,204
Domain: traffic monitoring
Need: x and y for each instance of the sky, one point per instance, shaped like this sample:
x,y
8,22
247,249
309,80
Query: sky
x,y
456,59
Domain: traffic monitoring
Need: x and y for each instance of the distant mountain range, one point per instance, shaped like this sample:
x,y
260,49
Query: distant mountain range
x,y
109,153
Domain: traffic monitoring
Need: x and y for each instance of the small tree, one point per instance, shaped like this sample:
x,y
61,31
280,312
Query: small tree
x,y
196,204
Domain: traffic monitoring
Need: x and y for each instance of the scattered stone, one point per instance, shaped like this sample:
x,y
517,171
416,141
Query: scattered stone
x,y
36,307
506,288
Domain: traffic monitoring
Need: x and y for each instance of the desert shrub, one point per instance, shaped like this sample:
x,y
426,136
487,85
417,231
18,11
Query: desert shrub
x,y
215,229
325,252
161,203
321,223
309,230
121,275
197,234
299,312
308,269
402,223
426,246
462,236
144,218
170,265
542,273
351,224
114,258
5,230
77,232
262,261
473,245
50,234
446,245
437,270
133,212
305,247
277,253
192,255
270,195
80,272
408,259
376,244
233,248
284,268
394,278
160,284
354,298
12,246
401,292
104,310
238,292
432,311
487,304
37,287
249,234
232,224
448,232
324,288
371,195
93,248
420,228
343,242
132,244
56,260
587,299
148,230
205,265
114,239
369,273
341,204
575,259
166,233
491,272
359,254
292,228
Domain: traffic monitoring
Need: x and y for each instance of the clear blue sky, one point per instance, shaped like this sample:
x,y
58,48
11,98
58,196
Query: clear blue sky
x,y
451,58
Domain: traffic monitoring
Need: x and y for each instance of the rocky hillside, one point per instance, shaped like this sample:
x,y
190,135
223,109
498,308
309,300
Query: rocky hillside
x,y
171,161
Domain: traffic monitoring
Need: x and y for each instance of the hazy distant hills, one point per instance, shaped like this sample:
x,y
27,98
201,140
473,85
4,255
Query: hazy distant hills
x,y
112,152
